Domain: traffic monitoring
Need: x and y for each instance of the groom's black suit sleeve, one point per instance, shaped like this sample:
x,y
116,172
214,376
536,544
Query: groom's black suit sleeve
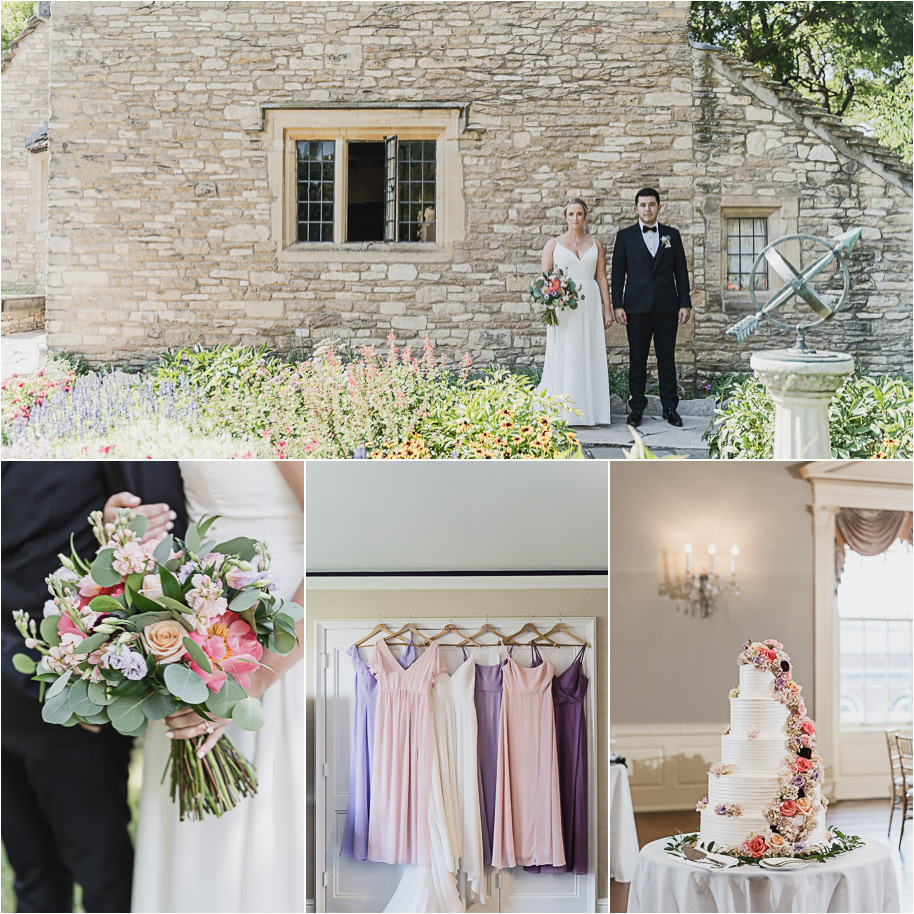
x,y
48,845
640,282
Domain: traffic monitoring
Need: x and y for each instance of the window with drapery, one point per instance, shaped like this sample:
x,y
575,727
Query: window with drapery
x,y
873,566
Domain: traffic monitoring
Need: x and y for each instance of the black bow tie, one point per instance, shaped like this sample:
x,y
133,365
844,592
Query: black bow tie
x,y
648,228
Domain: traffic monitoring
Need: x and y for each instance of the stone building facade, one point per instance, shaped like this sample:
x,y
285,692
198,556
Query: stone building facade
x,y
23,147
175,207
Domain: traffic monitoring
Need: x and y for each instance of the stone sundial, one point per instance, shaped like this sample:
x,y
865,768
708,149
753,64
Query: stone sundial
x,y
798,283
802,381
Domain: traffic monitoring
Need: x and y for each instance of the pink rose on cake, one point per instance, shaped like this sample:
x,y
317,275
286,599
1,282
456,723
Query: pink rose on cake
x,y
756,847
808,727
788,808
803,765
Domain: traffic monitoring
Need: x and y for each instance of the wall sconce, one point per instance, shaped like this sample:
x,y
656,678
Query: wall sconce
x,y
700,590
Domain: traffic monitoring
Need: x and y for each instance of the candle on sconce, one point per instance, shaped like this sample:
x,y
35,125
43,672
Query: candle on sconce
x,y
688,554
712,551
734,552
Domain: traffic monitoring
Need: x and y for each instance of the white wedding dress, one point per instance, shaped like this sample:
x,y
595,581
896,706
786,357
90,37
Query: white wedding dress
x,y
576,349
252,858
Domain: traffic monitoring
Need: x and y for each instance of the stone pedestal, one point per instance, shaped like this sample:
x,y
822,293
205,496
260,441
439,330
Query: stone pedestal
x,y
802,385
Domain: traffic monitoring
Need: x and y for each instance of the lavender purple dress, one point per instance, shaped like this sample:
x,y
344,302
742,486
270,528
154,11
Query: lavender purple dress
x,y
487,698
568,691
355,832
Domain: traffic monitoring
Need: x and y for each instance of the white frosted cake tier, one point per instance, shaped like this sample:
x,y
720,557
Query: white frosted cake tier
x,y
755,682
752,791
753,755
732,830
767,715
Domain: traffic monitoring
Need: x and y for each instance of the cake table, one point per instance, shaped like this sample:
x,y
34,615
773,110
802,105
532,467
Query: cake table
x,y
862,880
623,837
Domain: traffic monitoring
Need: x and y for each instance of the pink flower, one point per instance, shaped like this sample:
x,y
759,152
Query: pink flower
x,y
808,726
206,601
803,765
231,647
213,558
757,846
788,808
130,558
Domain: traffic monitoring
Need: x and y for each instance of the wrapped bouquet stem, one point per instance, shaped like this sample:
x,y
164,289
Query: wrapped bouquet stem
x,y
144,630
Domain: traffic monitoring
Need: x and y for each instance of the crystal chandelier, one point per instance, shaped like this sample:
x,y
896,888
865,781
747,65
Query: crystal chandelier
x,y
698,591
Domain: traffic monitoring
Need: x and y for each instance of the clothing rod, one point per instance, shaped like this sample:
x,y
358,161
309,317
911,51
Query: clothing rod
x,y
511,573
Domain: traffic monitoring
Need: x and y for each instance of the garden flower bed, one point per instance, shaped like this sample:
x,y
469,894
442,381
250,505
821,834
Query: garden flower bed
x,y
240,402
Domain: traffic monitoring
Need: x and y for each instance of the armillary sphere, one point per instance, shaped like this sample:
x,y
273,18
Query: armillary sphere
x,y
798,283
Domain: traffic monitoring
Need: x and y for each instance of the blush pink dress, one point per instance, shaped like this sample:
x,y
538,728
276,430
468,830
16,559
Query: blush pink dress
x,y
398,822
528,818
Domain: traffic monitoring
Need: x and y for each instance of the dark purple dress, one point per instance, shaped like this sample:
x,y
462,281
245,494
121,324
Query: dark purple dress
x,y
355,831
487,698
568,691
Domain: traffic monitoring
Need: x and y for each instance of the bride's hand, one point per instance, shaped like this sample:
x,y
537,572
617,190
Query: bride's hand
x,y
187,724
607,320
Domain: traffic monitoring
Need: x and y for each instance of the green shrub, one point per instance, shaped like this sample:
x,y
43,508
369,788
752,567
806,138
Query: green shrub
x,y
211,369
869,417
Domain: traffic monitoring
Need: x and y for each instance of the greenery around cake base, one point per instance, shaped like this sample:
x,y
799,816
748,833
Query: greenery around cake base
x,y
839,844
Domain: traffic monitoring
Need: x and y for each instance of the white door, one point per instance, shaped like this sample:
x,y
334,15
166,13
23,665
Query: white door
x,y
343,884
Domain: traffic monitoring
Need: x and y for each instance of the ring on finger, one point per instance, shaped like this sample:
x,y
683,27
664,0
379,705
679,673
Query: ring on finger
x,y
209,729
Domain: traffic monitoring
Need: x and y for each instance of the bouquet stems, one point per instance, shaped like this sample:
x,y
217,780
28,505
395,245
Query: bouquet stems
x,y
212,785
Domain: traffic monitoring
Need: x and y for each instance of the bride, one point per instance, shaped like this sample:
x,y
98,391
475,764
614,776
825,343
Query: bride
x,y
250,859
576,349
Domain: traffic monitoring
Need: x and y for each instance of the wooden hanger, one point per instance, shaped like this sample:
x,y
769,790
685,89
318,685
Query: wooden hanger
x,y
528,628
451,629
380,627
561,627
410,627
487,629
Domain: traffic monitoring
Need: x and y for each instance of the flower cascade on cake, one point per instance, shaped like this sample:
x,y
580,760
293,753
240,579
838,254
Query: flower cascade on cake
x,y
765,795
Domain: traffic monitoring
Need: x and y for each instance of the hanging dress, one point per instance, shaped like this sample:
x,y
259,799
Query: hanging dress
x,y
487,699
528,820
398,819
432,888
355,831
569,689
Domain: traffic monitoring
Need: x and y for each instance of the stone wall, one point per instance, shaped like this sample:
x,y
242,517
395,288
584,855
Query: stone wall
x,y
755,142
23,111
149,103
162,205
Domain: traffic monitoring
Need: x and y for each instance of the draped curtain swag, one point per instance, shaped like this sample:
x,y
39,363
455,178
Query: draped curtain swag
x,y
869,532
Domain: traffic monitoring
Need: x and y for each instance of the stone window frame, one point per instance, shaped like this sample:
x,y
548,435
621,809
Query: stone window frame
x,y
783,218
286,126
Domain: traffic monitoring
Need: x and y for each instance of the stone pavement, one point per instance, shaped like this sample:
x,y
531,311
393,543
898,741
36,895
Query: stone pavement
x,y
20,353
610,442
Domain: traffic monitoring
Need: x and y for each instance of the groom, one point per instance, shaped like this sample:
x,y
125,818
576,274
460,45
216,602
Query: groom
x,y
649,264
64,789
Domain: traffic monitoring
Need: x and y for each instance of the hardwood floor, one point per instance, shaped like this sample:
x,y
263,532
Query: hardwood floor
x,y
866,818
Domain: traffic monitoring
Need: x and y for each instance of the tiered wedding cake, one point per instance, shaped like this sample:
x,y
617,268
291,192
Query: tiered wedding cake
x,y
765,795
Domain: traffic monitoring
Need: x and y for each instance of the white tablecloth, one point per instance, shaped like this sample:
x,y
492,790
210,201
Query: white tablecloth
x,y
623,839
861,881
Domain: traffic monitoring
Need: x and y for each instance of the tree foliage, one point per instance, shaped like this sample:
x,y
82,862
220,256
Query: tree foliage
x,y
14,14
847,56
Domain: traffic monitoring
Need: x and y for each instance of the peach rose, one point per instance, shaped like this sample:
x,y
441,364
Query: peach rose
x,y
788,808
757,846
165,641
803,765
808,726
775,840
804,806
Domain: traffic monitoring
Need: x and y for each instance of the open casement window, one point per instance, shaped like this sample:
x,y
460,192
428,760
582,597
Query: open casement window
x,y
388,190
375,184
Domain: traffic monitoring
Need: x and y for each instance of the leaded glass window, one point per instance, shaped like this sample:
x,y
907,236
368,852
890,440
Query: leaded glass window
x,y
746,237
416,192
316,163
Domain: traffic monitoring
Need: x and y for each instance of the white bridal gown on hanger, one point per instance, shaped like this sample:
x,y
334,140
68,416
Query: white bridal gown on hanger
x,y
251,858
576,349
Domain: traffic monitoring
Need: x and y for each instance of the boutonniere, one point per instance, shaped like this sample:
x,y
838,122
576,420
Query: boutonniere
x,y
665,241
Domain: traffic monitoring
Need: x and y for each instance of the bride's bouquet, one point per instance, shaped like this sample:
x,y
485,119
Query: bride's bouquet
x,y
555,290
142,631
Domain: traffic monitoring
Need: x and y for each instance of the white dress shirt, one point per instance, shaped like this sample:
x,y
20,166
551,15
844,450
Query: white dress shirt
x,y
651,239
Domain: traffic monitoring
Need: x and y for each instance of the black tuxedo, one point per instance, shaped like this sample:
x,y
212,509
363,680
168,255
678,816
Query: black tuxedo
x,y
651,291
46,769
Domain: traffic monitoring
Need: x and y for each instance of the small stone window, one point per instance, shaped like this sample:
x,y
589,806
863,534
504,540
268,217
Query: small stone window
x,y
746,238
366,181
